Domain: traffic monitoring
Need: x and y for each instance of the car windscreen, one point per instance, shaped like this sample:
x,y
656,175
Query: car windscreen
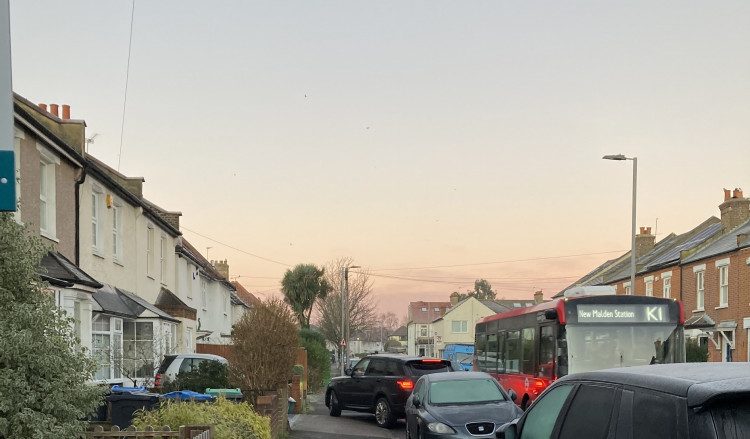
x,y
423,367
465,392
731,418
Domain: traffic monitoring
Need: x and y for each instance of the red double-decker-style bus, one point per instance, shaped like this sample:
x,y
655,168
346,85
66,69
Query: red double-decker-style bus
x,y
589,328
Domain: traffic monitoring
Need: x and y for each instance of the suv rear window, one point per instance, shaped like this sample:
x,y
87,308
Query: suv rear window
x,y
165,364
423,367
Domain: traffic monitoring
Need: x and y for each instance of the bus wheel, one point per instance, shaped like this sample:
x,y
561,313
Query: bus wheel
x,y
525,403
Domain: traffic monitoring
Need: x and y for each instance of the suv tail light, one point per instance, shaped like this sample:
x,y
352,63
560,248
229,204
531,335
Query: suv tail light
x,y
431,360
157,380
405,384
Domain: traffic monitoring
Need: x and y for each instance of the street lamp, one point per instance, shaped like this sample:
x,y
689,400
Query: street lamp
x,y
620,157
345,315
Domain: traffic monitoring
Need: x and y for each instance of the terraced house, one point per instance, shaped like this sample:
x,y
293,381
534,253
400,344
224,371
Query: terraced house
x,y
119,264
707,268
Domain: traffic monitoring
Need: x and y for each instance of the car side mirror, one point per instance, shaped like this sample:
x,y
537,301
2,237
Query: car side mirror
x,y
416,402
347,371
512,394
507,431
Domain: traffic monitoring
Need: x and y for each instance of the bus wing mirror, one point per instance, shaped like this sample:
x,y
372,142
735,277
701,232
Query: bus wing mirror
x,y
550,314
512,394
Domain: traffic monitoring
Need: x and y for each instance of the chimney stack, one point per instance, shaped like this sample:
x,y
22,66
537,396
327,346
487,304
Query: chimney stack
x,y
222,267
454,298
538,297
644,242
66,112
735,210
54,109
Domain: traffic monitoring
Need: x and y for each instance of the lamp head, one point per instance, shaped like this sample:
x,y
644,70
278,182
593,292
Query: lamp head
x,y
614,157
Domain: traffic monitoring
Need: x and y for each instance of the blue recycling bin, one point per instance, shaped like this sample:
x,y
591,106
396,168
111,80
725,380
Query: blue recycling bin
x,y
189,395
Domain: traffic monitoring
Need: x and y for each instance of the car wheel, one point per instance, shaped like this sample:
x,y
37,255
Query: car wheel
x,y
383,414
334,409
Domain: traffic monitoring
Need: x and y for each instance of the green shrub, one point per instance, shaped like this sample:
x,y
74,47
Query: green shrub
x,y
231,420
210,374
694,352
298,369
318,358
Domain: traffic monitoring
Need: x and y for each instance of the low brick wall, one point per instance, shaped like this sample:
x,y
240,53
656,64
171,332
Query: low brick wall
x,y
274,405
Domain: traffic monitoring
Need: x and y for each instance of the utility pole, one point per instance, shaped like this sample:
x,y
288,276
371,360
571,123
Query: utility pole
x,y
345,314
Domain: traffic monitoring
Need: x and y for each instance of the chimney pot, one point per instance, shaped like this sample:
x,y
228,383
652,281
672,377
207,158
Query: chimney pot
x,y
66,112
43,106
643,230
737,193
648,230
727,194
54,109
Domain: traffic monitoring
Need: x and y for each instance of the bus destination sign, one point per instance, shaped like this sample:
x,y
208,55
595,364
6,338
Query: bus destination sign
x,y
623,313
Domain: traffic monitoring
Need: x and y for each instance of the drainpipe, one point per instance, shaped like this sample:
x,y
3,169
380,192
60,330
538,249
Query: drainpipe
x,y
79,182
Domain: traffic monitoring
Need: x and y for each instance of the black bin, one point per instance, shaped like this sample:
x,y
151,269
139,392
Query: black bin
x,y
124,404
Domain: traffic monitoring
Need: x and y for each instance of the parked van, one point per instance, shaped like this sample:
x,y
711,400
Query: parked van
x,y
462,353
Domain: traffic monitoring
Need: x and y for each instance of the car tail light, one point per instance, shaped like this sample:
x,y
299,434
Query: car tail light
x,y
431,360
406,384
539,383
157,381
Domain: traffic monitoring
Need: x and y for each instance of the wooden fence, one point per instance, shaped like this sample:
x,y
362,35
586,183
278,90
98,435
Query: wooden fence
x,y
185,432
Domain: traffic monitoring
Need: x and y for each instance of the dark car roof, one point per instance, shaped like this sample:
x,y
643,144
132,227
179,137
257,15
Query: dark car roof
x,y
402,357
697,382
452,376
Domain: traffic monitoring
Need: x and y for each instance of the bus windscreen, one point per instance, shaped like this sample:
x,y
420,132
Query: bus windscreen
x,y
594,347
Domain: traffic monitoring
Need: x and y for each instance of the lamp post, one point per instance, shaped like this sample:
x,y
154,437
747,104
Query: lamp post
x,y
345,315
620,157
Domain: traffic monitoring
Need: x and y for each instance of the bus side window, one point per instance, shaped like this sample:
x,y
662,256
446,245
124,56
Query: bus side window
x,y
480,348
562,352
513,351
546,352
501,352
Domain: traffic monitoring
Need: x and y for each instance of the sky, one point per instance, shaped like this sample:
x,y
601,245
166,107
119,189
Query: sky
x,y
433,142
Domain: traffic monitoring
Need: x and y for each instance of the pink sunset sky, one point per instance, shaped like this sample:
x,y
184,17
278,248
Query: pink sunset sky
x,y
433,142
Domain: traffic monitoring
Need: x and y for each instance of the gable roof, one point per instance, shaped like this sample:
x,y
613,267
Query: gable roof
x,y
245,295
123,303
207,269
729,242
429,314
58,270
402,331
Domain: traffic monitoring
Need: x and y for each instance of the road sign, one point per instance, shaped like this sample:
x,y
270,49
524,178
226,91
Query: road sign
x,y
342,343
7,156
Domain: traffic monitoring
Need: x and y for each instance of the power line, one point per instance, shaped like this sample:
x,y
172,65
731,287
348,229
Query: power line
x,y
500,262
234,248
127,77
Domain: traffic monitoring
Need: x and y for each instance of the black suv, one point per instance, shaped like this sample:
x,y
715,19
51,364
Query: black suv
x,y
667,401
380,384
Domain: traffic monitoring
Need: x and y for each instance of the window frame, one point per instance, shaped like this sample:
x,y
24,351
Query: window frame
x,y
150,250
48,162
117,231
700,290
162,258
463,327
649,282
666,279
723,268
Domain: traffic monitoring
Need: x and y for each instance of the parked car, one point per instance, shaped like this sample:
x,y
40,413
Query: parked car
x,y
662,401
380,384
174,364
458,405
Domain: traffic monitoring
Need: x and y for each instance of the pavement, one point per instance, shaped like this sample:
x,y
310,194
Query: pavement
x,y
316,423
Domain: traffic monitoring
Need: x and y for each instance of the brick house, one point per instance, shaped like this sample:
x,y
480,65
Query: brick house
x,y
707,268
